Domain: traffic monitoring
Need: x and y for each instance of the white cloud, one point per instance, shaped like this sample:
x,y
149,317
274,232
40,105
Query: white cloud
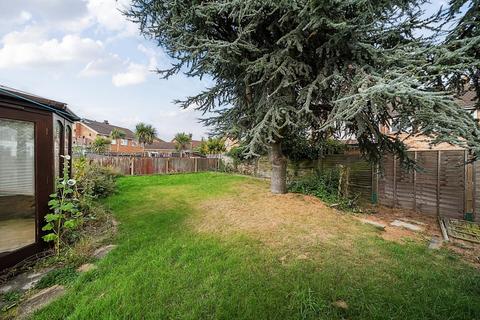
x,y
24,16
108,13
31,48
109,64
135,74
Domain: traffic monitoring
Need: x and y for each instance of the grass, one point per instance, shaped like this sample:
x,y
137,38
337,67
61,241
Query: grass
x,y
170,265
62,276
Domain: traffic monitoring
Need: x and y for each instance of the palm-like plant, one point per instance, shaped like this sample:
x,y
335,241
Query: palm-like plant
x,y
182,141
100,144
145,133
216,145
117,134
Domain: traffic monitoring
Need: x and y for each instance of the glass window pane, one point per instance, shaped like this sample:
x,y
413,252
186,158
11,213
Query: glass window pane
x,y
68,140
58,144
17,185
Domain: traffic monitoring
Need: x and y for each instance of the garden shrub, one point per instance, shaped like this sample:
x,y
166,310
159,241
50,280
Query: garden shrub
x,y
93,180
74,212
325,186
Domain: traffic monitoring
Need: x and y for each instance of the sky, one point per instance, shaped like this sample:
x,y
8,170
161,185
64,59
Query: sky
x,y
87,54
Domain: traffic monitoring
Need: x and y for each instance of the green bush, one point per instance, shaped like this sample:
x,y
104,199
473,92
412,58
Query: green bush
x,y
93,180
325,186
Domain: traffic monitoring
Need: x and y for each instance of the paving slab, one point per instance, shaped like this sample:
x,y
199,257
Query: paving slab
x,y
435,243
406,225
376,224
24,281
39,300
103,251
86,267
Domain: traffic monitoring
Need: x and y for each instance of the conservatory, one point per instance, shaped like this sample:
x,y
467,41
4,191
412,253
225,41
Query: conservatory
x,y
34,133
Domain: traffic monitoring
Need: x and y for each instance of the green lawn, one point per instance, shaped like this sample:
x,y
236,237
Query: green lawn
x,y
165,268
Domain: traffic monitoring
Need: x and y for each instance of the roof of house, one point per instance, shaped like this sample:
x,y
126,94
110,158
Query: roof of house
x,y
57,107
104,128
159,144
196,143
420,142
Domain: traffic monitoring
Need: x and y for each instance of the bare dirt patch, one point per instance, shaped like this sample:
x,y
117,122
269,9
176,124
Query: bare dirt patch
x,y
301,225
293,222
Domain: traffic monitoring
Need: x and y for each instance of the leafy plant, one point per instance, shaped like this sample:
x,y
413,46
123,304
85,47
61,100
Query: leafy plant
x,y
212,146
93,180
117,134
100,144
64,215
182,141
145,133
325,186
11,296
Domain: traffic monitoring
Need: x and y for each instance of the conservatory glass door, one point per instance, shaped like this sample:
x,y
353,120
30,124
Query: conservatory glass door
x,y
17,185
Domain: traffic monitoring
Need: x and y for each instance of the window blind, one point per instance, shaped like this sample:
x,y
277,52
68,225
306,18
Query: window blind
x,y
17,162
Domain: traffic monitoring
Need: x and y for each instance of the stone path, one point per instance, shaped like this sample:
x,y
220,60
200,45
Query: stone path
x,y
103,251
38,300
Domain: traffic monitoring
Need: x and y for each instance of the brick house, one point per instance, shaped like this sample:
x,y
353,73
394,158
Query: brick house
x,y
169,149
417,141
85,132
161,148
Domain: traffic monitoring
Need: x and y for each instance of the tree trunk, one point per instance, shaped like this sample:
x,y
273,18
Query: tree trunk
x,y
279,169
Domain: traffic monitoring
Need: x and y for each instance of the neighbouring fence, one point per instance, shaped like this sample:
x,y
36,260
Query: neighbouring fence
x,y
445,184
150,165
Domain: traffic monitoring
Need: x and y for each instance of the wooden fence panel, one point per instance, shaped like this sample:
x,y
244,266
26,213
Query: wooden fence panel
x,y
182,165
452,184
160,165
426,186
213,164
360,173
142,166
147,165
405,186
476,190
385,185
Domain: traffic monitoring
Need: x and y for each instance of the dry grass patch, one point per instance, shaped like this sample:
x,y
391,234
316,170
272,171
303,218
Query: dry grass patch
x,y
297,224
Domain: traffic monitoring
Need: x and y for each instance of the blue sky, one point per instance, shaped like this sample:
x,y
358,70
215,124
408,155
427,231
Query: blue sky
x,y
85,53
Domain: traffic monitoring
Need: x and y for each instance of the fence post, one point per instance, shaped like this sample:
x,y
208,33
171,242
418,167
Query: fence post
x,y
468,210
195,161
374,183
415,182
166,165
474,190
439,158
394,181
132,169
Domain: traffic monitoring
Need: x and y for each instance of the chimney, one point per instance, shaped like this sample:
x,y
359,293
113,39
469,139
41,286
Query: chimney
x,y
105,121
